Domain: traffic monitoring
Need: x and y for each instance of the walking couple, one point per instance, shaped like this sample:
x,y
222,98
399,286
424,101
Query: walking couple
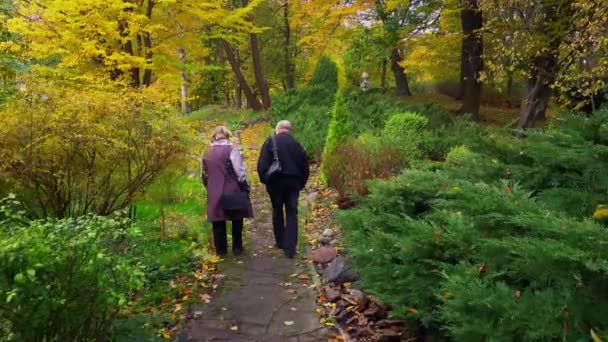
x,y
282,167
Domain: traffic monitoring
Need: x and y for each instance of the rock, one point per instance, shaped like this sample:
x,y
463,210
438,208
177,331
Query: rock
x,y
333,196
319,268
344,316
328,233
324,240
389,335
375,309
311,198
323,254
360,298
332,294
338,272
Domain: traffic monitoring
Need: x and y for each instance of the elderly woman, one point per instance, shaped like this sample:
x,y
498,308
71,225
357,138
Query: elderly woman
x,y
223,174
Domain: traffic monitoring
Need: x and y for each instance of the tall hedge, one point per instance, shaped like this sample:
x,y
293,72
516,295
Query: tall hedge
x,y
309,108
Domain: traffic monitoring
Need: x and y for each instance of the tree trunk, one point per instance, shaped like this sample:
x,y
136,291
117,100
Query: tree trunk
x,y
472,63
184,77
383,76
128,48
290,77
538,91
238,96
135,70
460,94
510,90
238,91
148,46
235,64
401,85
258,71
543,71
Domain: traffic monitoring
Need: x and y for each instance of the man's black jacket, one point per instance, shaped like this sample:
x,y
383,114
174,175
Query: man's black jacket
x,y
292,156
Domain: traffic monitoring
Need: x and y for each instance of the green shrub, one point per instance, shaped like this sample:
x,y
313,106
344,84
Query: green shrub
x,y
407,132
62,280
308,108
373,156
356,112
325,75
563,165
481,261
356,161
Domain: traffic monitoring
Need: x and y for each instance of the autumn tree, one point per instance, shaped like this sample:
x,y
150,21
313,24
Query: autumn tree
x,y
122,41
402,20
9,46
556,43
368,51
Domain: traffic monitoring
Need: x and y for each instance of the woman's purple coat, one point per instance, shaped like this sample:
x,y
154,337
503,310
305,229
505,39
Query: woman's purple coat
x,y
218,182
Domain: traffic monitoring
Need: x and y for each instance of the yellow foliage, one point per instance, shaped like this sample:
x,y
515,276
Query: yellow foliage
x,y
325,25
117,40
88,148
601,213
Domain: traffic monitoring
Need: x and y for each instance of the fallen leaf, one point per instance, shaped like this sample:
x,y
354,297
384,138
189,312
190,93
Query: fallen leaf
x,y
595,337
205,297
483,269
165,334
234,328
304,276
288,322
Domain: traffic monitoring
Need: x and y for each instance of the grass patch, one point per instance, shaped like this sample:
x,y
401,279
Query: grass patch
x,y
231,116
170,239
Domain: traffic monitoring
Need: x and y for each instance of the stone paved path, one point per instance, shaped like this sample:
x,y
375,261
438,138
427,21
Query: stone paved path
x,y
259,298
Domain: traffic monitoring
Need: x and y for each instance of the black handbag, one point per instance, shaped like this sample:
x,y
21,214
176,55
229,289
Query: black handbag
x,y
234,201
275,167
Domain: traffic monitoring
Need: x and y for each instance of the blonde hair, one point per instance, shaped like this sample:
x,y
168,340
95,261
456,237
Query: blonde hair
x,y
283,126
220,133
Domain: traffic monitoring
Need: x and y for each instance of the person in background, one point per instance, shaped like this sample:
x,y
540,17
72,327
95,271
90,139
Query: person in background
x,y
284,187
223,171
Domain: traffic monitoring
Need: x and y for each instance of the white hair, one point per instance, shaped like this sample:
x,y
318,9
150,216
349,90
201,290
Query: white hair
x,y
283,126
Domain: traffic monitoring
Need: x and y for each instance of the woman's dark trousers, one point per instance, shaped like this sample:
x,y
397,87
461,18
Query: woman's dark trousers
x,y
220,238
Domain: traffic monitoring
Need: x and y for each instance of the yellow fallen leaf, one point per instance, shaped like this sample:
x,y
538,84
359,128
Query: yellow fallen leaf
x,y
288,323
165,334
595,337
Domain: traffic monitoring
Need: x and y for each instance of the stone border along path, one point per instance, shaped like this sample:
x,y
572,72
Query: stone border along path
x,y
262,295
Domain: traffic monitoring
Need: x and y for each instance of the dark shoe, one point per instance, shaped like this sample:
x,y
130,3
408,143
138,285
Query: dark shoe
x,y
237,251
276,245
221,254
290,254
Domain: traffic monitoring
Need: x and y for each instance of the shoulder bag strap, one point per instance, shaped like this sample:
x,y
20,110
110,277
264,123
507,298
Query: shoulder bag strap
x,y
275,150
228,165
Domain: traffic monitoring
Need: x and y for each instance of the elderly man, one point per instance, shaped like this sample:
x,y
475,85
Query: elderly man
x,y
284,186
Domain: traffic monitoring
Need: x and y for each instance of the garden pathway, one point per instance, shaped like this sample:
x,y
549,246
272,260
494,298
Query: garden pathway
x,y
263,296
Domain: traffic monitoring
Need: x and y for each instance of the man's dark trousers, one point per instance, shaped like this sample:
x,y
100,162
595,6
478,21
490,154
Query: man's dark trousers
x,y
284,193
